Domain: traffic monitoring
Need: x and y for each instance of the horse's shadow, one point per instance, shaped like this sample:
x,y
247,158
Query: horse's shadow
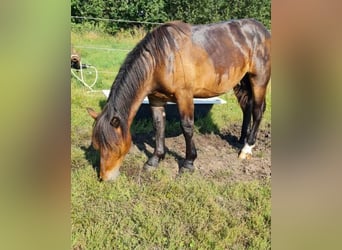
x,y
146,140
93,157
229,136
143,140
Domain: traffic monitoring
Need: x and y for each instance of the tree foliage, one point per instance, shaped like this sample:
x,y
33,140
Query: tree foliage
x,y
159,11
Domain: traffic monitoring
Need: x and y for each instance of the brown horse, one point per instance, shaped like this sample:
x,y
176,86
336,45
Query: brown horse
x,y
176,62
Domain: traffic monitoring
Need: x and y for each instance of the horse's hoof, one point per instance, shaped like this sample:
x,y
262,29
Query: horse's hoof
x,y
183,170
187,167
151,164
147,167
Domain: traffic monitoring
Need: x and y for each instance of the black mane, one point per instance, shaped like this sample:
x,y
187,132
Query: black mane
x,y
150,52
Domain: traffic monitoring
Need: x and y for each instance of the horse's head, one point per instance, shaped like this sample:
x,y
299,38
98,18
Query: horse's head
x,y
110,141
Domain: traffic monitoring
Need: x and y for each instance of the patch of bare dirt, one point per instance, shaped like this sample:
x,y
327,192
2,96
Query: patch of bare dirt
x,y
217,154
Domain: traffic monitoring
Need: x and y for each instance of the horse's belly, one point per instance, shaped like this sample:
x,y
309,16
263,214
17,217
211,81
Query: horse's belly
x,y
157,96
215,85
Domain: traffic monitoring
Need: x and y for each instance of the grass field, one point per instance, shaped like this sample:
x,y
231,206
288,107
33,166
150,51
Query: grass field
x,y
154,210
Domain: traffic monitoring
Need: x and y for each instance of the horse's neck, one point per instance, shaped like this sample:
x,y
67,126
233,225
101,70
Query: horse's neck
x,y
143,91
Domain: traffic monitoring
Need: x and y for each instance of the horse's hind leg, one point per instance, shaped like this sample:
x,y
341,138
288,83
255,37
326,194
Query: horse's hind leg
x,y
158,115
243,93
258,86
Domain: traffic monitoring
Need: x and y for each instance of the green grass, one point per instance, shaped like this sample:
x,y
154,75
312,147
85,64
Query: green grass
x,y
153,210
189,212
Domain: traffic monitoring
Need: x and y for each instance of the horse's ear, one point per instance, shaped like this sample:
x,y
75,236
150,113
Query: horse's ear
x,y
92,113
115,122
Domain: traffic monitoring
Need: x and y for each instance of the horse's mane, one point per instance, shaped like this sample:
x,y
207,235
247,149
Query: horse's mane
x,y
150,52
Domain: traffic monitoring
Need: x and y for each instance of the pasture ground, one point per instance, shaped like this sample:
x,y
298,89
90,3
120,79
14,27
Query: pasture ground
x,y
217,153
224,204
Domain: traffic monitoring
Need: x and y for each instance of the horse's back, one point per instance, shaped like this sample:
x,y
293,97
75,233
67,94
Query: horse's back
x,y
211,59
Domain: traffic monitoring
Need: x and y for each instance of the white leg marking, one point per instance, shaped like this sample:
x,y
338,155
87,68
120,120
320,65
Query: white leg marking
x,y
246,151
247,148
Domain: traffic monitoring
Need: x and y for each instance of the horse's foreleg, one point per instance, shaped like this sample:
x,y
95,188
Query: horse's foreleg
x,y
158,114
187,125
186,110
